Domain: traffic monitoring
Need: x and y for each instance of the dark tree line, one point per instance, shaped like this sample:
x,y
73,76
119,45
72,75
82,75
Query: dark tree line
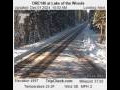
x,y
31,26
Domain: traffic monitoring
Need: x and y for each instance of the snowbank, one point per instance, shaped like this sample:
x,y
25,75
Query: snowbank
x,y
92,48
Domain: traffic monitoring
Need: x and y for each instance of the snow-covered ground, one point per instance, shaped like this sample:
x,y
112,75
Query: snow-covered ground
x,y
92,48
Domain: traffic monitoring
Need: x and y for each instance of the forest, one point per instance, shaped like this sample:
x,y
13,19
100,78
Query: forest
x,y
31,26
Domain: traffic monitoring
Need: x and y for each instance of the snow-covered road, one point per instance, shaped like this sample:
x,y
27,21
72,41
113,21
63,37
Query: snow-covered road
x,y
23,51
83,58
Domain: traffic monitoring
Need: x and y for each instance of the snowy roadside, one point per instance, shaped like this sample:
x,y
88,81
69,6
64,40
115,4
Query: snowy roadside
x,y
89,47
27,49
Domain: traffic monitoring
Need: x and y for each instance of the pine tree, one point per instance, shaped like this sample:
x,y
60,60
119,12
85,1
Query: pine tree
x,y
99,21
